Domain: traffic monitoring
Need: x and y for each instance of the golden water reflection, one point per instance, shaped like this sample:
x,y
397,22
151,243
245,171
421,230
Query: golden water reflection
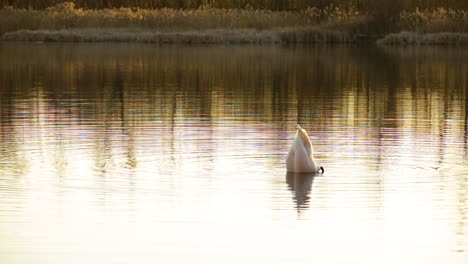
x,y
125,153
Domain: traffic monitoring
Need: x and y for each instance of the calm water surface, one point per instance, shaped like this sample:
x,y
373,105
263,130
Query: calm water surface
x,y
118,153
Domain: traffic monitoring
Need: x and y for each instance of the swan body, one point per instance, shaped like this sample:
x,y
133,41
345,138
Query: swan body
x,y
300,156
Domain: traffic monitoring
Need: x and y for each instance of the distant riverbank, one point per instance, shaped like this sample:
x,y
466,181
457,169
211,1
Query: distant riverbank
x,y
211,36
66,23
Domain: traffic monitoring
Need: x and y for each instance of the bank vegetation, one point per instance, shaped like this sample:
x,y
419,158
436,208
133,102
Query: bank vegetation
x,y
264,21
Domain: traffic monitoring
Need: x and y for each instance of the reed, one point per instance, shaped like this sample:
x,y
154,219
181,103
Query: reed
x,y
68,16
438,26
331,24
245,36
417,39
434,20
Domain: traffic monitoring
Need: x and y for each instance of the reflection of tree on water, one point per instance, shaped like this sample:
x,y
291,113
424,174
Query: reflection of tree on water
x,y
300,184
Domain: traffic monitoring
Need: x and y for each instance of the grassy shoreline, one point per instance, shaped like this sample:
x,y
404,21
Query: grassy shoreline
x,y
237,36
66,23
418,39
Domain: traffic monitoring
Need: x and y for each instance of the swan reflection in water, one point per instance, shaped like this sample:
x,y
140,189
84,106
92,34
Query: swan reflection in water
x,y
301,184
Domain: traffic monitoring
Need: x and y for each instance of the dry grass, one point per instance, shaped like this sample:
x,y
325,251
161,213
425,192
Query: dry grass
x,y
66,15
430,27
434,21
65,22
414,39
245,36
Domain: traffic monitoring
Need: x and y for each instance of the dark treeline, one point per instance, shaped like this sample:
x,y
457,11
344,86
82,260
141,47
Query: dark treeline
x,y
359,5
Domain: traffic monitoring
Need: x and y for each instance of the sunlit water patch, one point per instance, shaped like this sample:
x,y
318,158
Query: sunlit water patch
x,y
137,153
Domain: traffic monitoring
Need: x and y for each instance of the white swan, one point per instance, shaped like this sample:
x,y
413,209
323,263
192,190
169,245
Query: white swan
x,y
300,156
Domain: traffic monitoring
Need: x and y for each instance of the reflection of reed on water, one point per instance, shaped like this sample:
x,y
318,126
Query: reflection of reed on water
x,y
196,137
372,95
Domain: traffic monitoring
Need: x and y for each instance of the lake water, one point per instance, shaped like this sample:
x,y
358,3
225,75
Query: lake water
x,y
123,153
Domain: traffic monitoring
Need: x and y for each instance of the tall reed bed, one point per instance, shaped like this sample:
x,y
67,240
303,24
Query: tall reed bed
x,y
67,16
332,24
434,20
430,27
